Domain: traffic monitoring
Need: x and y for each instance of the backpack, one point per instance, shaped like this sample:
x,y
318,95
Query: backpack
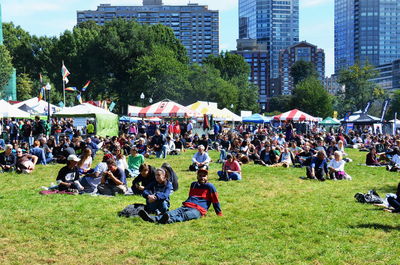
x,y
370,197
131,210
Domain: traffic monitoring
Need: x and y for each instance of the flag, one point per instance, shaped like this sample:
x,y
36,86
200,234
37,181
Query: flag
x,y
66,80
79,98
86,86
64,72
369,103
40,79
384,108
41,94
71,88
112,106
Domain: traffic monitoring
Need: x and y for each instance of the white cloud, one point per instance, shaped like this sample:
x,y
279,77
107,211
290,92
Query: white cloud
x,y
313,3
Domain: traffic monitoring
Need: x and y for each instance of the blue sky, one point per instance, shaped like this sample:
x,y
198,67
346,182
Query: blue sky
x,y
52,17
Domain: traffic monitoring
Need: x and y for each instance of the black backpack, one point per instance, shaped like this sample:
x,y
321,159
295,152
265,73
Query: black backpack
x,y
370,197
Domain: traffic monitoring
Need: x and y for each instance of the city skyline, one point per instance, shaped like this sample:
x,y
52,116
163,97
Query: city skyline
x,y
52,17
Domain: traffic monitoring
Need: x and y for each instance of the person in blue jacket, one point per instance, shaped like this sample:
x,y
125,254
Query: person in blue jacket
x,y
319,167
157,193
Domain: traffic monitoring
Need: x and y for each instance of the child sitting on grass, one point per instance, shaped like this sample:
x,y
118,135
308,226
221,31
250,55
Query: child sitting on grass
x,y
157,193
336,167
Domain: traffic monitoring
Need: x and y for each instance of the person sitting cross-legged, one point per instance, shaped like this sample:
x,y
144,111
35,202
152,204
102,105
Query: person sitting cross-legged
x,y
319,167
230,170
201,195
147,175
200,160
113,180
68,176
135,160
157,193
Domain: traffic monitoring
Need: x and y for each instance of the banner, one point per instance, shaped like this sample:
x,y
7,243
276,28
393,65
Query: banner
x,y
111,107
384,108
347,116
369,103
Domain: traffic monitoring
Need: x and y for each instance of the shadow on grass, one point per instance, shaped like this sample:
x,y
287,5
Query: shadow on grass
x,y
386,228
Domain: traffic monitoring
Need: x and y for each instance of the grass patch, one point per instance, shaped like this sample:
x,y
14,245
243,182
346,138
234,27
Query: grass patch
x,y
270,217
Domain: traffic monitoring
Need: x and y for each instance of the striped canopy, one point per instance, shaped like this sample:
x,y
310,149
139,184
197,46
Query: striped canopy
x,y
166,108
295,115
208,108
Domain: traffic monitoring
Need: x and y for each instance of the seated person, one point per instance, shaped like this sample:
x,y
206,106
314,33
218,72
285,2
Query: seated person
x,y
68,176
157,193
201,195
39,152
170,144
304,157
224,146
2,144
179,145
91,180
113,180
200,159
25,162
395,202
336,167
158,143
171,176
395,161
85,163
286,159
142,147
265,155
230,169
147,174
8,159
372,158
135,160
318,168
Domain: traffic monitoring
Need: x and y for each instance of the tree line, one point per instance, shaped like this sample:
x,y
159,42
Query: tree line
x,y
124,59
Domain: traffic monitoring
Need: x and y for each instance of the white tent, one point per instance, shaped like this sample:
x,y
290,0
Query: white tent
x,y
9,111
230,116
39,106
82,109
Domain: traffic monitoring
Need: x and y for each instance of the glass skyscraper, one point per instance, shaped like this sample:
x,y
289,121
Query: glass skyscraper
x,y
366,31
271,22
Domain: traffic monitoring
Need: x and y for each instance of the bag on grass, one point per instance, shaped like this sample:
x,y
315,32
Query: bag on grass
x,y
370,197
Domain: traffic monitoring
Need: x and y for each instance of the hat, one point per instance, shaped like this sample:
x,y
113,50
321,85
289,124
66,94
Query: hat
x,y
73,158
202,170
107,156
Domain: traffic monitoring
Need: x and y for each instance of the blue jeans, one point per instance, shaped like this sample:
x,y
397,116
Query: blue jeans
x,y
181,214
222,155
158,207
162,153
232,176
49,158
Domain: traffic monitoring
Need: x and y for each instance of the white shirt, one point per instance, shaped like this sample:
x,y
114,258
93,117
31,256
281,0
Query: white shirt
x,y
396,159
337,165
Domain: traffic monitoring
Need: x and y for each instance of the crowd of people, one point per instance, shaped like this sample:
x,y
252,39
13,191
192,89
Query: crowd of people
x,y
321,154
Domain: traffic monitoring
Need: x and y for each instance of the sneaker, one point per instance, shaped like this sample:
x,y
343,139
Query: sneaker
x,y
388,168
146,217
164,219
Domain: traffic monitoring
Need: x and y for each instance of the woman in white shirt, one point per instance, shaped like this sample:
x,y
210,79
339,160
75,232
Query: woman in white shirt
x,y
85,163
336,167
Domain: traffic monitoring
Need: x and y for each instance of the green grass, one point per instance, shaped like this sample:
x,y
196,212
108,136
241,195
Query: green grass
x,y
270,217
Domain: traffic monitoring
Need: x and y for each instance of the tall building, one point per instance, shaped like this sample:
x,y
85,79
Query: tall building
x,y
195,25
10,90
257,56
270,22
366,31
388,76
302,51
274,25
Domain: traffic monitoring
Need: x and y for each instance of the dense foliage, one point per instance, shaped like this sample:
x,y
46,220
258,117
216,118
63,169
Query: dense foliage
x,y
124,59
5,66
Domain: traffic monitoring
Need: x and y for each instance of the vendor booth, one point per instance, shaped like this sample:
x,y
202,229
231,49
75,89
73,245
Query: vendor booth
x,y
106,122
9,111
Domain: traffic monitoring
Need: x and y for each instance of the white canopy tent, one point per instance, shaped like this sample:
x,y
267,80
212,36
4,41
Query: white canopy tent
x,y
39,106
9,111
82,109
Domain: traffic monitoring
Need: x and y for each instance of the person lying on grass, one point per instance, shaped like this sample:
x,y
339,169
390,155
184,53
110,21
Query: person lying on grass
x,y
201,195
157,193
336,167
394,202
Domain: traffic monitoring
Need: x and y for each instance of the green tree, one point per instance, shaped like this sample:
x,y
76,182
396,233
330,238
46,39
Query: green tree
x,y
311,97
358,89
394,106
301,70
280,103
231,66
25,87
6,67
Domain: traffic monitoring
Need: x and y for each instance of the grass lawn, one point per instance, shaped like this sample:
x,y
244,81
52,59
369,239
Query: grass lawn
x,y
270,217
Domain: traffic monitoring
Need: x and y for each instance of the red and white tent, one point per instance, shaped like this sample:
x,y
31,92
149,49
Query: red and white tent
x,y
295,115
166,108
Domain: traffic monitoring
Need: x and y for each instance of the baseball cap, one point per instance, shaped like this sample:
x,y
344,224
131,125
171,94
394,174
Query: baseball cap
x,y
73,158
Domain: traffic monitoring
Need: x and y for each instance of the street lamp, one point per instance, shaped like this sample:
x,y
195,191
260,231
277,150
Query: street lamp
x,y
48,88
233,119
142,98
